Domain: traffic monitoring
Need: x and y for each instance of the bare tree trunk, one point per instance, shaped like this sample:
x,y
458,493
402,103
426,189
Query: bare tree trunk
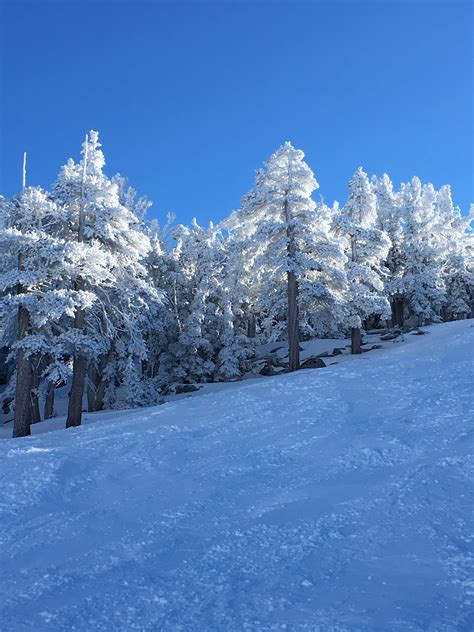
x,y
251,326
97,382
95,388
397,310
49,402
293,324
21,423
35,411
293,315
146,369
356,340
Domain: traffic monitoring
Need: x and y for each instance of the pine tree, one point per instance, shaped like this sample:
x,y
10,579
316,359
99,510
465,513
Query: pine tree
x,y
367,248
272,225
389,220
453,236
422,283
113,247
37,265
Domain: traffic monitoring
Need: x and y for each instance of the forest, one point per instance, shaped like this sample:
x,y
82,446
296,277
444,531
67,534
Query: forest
x,y
124,309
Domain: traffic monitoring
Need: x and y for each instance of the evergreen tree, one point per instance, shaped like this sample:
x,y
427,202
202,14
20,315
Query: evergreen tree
x,y
367,248
389,220
108,231
273,225
422,283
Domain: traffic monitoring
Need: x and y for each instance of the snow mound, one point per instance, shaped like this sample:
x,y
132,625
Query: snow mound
x,y
335,500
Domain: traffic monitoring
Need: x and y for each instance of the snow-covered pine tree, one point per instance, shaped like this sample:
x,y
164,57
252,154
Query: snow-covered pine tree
x,y
37,264
209,346
424,251
109,235
196,300
389,220
163,272
272,225
367,248
454,234
323,285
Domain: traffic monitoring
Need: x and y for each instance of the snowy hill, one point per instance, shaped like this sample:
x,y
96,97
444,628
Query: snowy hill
x,y
334,500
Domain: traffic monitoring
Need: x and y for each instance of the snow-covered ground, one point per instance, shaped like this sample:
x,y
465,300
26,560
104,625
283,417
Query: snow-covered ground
x,y
328,500
309,348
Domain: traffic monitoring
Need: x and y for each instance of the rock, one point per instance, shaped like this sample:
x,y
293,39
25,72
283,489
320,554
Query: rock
x,y
313,363
376,347
325,354
267,370
418,332
185,388
337,351
390,336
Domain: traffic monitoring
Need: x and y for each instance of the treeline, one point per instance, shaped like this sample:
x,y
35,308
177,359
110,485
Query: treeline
x,y
93,295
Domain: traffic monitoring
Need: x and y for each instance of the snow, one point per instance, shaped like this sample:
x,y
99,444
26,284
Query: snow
x,y
328,500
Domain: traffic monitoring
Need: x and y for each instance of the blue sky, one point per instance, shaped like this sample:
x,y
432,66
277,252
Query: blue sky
x,y
190,98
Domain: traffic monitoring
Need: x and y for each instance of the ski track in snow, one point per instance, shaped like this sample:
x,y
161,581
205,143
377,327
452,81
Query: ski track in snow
x,y
335,500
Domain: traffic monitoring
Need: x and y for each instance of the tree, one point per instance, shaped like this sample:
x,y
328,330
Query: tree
x,y
272,226
389,220
422,283
367,247
113,247
36,264
209,345
454,235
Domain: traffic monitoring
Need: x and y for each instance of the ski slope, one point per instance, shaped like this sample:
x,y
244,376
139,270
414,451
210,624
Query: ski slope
x,y
333,500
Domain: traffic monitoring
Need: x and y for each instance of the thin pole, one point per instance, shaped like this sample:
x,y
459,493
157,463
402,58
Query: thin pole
x,y
23,180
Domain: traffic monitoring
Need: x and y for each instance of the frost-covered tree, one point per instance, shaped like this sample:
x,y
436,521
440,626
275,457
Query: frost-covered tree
x,y
367,248
323,286
209,346
37,264
164,274
104,223
273,227
389,220
453,236
424,253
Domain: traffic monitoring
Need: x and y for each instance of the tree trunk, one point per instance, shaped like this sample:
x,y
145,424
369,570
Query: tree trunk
x,y
293,324
95,388
74,411
293,316
49,402
35,411
355,331
79,368
251,326
397,311
356,340
21,423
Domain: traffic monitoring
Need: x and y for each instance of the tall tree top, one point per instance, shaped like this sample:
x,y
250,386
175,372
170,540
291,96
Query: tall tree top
x,y
360,207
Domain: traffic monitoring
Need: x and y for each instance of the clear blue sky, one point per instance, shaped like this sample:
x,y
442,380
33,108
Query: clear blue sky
x,y
190,98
